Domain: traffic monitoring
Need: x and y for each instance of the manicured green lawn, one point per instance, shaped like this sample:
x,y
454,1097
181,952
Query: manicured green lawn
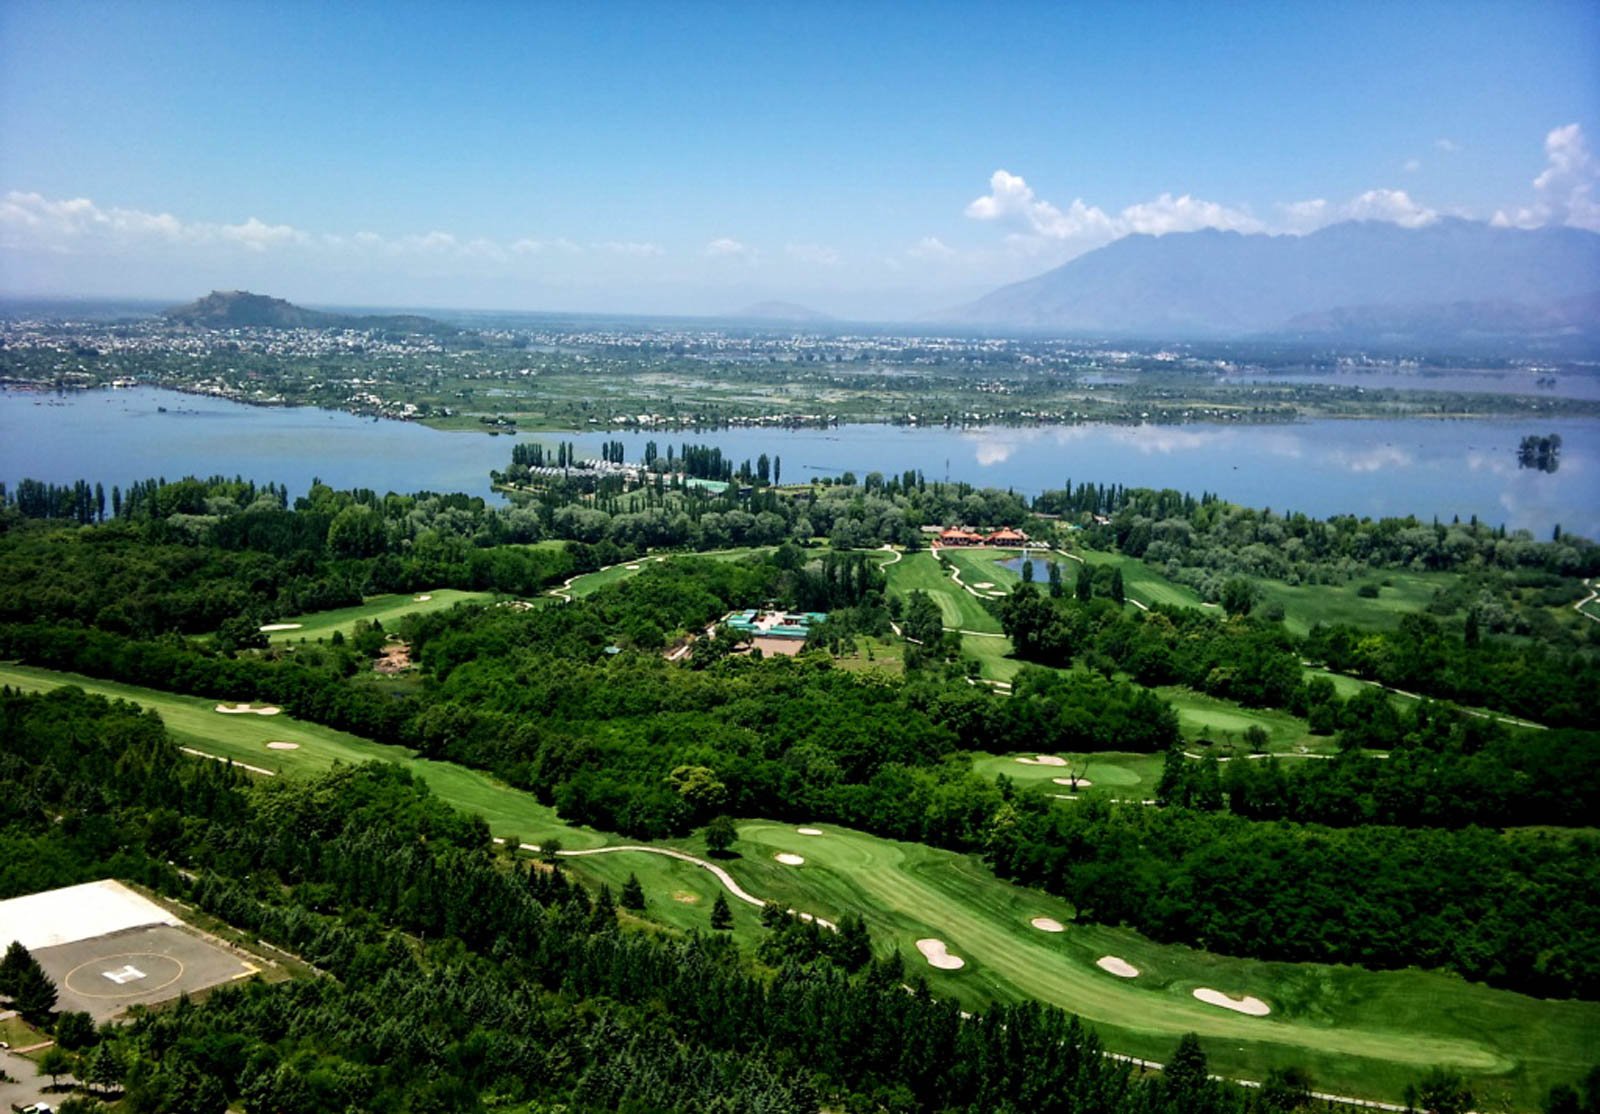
x,y
384,609
1202,717
193,722
1117,774
1139,581
594,581
1399,594
1358,1032
959,609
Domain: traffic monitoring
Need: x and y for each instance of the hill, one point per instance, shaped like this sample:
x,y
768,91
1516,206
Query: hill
x,y
1345,278
240,309
779,311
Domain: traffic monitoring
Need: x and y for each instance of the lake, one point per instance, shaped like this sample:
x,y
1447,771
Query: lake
x,y
1421,467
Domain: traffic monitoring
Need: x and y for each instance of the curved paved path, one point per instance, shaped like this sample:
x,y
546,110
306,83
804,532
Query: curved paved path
x,y
718,872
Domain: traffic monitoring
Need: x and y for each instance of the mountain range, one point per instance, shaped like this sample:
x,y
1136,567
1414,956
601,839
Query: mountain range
x,y
1451,278
240,309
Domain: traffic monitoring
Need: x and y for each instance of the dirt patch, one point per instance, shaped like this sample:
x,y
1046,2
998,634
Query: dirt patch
x,y
937,955
785,647
686,898
396,658
1048,924
1255,1007
1043,760
270,627
788,859
1114,965
278,744
1073,783
247,710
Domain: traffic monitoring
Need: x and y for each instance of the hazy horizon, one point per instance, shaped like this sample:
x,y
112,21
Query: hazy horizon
x,y
870,165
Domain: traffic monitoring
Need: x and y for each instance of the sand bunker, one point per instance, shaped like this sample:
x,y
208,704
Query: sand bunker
x,y
939,956
789,859
809,831
1255,1007
1048,924
1076,783
1121,968
633,566
424,598
1043,760
247,710
278,744
270,627
984,584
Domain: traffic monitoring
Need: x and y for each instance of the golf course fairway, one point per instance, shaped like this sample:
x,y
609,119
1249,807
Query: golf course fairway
x,y
1358,1032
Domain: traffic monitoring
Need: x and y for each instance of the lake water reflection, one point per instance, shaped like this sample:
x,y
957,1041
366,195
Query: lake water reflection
x,y
1372,468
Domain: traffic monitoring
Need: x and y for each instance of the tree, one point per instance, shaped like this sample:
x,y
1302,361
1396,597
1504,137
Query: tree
x,y
1186,1071
923,622
721,915
55,1062
1286,1090
24,981
699,786
1083,587
1117,592
74,1030
632,893
720,835
1444,1092
1238,596
103,1067
1055,580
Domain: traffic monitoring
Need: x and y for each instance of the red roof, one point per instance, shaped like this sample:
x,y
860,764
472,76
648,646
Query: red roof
x,y
1008,535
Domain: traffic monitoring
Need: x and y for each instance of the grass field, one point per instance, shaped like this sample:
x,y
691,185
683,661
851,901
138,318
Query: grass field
x,y
384,609
959,610
1141,582
594,581
1117,774
1399,594
192,722
1358,1032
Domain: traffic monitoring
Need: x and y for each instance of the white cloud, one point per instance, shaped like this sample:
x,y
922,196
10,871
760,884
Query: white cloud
x,y
1411,166
931,247
819,254
1035,222
1011,201
631,248
1184,214
725,247
1565,188
1394,206
259,236
1447,145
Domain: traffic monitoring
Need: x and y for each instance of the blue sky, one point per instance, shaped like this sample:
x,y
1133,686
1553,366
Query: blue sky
x,y
691,158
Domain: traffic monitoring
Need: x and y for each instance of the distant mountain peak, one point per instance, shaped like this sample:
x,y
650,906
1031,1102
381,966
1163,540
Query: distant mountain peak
x,y
1216,283
240,309
779,311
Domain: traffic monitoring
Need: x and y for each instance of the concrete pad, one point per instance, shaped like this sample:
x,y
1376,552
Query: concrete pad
x,y
64,916
107,974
